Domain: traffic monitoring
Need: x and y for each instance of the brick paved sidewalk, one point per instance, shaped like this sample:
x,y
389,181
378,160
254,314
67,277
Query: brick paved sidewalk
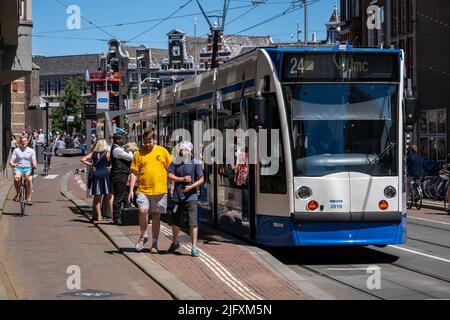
x,y
225,270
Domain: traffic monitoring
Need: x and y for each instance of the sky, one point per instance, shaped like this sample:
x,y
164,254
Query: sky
x,y
136,21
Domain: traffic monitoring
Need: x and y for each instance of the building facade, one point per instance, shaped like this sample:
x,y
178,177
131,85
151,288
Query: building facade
x,y
421,29
15,61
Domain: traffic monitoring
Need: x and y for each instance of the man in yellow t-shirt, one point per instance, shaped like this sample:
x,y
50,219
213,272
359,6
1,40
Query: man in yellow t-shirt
x,y
149,168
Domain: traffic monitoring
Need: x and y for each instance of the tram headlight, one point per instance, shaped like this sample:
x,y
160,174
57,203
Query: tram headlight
x,y
390,192
304,192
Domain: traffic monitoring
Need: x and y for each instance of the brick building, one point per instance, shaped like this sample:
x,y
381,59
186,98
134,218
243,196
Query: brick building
x,y
15,62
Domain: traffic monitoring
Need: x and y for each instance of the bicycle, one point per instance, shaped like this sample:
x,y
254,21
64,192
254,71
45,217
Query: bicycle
x,y
415,195
23,194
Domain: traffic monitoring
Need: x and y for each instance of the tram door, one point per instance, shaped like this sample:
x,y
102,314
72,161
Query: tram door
x,y
206,192
233,206
270,187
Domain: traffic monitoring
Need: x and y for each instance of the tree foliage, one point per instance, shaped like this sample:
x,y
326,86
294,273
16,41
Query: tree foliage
x,y
72,103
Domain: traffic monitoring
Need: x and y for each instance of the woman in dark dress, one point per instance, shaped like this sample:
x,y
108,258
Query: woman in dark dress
x,y
100,161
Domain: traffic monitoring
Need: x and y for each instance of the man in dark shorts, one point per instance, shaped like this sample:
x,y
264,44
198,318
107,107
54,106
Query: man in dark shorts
x,y
188,176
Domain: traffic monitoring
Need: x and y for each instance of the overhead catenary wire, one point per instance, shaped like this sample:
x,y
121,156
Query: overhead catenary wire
x,y
123,24
292,8
279,15
246,12
89,21
164,20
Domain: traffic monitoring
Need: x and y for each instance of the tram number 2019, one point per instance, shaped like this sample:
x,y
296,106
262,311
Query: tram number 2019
x,y
336,206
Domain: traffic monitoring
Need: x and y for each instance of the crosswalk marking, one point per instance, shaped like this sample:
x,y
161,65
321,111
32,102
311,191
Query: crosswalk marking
x,y
80,182
51,177
224,274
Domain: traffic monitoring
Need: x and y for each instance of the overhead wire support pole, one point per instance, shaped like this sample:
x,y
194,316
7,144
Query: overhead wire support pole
x,y
205,15
216,31
306,21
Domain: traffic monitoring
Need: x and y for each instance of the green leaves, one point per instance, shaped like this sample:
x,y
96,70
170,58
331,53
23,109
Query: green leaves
x,y
72,103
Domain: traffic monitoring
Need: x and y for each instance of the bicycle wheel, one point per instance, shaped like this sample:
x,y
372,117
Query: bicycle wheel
x,y
22,200
418,198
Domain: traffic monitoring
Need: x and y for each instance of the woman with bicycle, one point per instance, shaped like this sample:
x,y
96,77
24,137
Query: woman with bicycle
x,y
23,160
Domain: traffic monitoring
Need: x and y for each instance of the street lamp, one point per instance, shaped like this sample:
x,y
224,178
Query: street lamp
x,y
140,85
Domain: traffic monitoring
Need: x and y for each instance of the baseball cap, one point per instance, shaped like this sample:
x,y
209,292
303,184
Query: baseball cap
x,y
186,145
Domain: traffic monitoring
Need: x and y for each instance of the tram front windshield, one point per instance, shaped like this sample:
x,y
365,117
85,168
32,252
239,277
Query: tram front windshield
x,y
343,127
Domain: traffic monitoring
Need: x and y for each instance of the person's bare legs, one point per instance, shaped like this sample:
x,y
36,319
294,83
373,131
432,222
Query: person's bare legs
x,y
143,220
175,233
155,226
194,235
17,183
30,186
97,207
110,199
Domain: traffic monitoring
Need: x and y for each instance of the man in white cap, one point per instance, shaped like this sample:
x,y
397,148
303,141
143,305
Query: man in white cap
x,y
185,194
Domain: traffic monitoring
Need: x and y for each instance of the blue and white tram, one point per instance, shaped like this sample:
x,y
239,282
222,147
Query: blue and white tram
x,y
338,111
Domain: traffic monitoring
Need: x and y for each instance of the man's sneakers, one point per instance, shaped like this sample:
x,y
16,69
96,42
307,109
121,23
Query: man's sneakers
x,y
141,243
173,247
195,252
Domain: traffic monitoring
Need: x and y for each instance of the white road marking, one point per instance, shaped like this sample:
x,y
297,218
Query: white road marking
x,y
420,253
51,177
80,182
409,217
224,275
346,269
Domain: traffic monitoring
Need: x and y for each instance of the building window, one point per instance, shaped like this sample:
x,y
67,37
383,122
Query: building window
x,y
47,87
134,77
143,76
57,88
142,63
433,135
409,15
394,18
22,9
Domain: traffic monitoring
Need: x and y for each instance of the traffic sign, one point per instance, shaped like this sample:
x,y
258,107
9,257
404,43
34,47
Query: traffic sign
x,y
102,100
90,111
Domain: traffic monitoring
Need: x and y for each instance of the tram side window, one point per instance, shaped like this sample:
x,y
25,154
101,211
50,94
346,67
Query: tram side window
x,y
275,184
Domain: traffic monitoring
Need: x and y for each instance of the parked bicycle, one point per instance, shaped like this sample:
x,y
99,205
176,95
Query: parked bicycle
x,y
415,196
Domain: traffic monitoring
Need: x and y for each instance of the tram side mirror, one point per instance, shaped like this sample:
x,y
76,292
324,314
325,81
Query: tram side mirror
x,y
410,110
258,112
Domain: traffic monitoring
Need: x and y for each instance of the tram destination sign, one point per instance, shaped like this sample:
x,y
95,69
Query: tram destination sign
x,y
341,66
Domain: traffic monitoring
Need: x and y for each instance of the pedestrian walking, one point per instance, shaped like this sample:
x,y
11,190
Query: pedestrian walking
x,y
60,144
120,170
40,137
99,161
13,143
149,168
188,176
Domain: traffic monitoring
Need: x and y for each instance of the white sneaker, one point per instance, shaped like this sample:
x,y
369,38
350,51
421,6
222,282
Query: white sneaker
x,y
141,243
154,248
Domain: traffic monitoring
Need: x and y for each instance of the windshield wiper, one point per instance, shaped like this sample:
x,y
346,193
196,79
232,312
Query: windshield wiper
x,y
383,153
